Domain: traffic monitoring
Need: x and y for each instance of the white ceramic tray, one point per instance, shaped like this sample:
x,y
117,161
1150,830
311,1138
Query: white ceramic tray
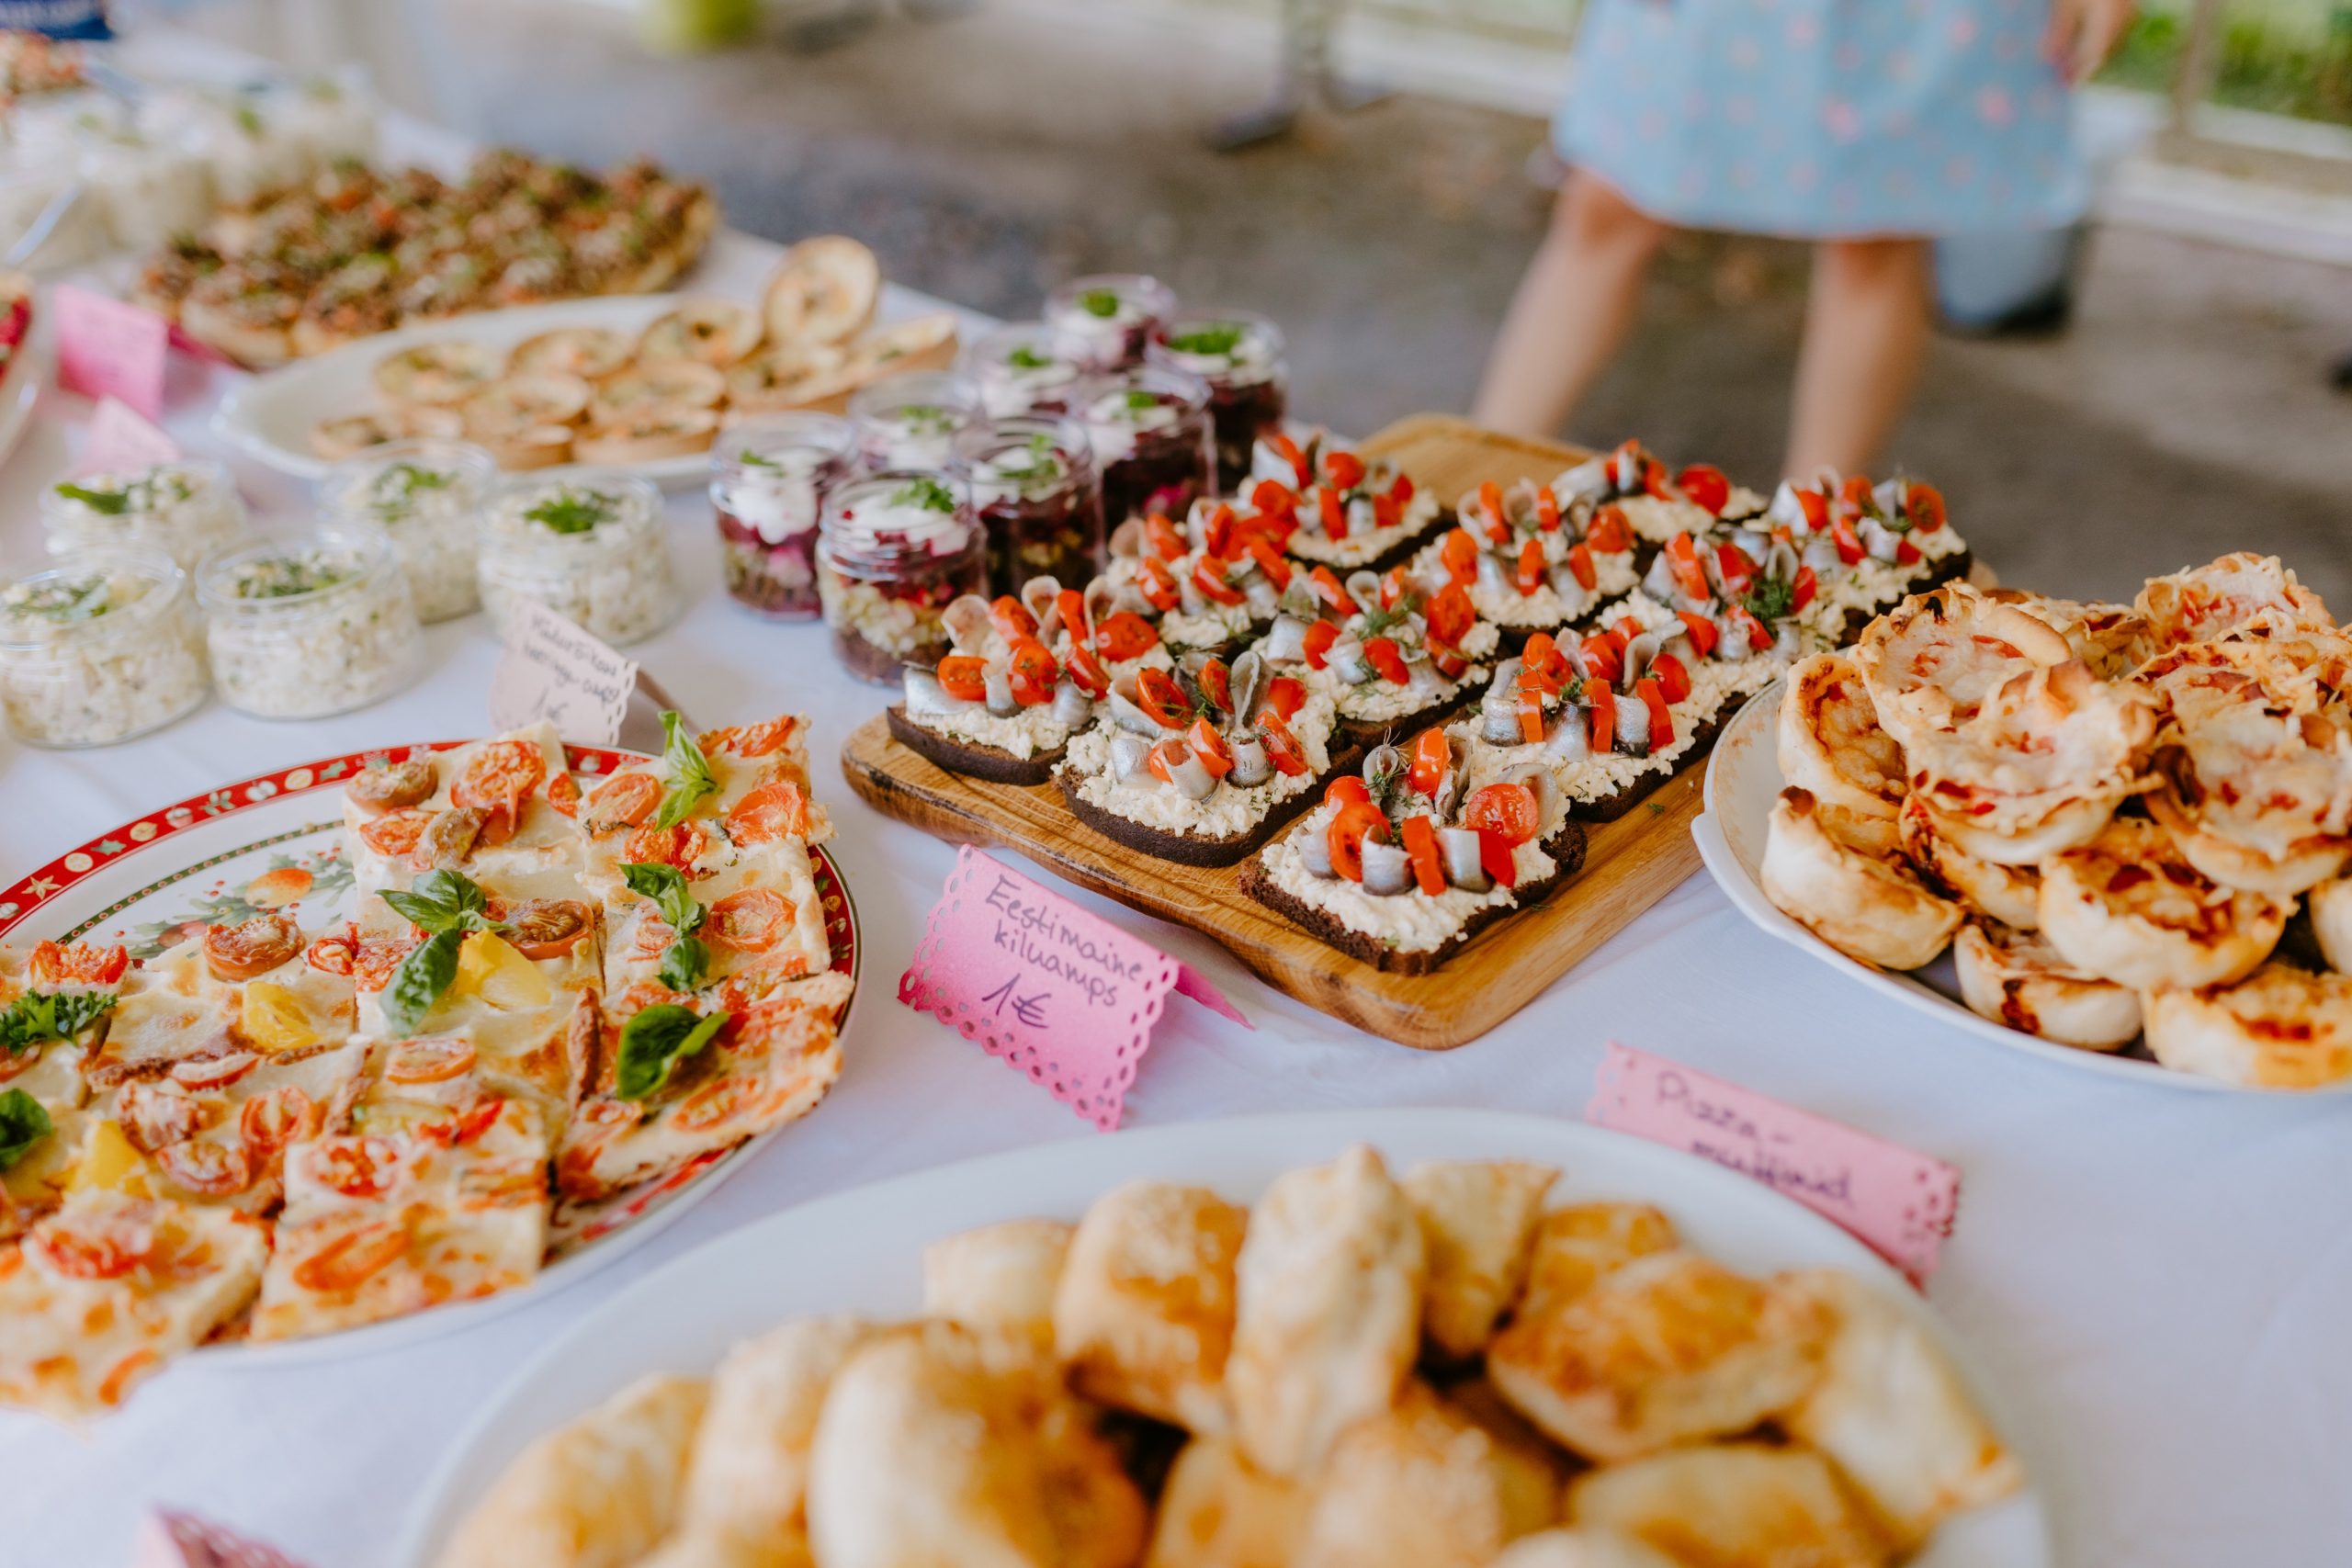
x,y
859,1251
1742,780
276,842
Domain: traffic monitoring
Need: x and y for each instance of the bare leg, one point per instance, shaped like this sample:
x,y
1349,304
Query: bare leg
x,y
1571,312
1865,334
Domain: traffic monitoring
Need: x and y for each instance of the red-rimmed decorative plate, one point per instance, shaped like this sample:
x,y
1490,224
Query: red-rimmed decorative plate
x,y
276,842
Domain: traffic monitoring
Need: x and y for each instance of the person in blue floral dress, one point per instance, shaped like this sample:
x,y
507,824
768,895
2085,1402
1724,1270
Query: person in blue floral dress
x,y
1867,126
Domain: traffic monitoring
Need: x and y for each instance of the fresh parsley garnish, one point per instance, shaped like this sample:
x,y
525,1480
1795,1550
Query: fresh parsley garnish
x,y
1024,357
685,961
1102,302
1770,599
448,906
688,772
929,494
654,1041
1140,399
66,600
105,502
572,513
23,1123
40,1016
752,459
927,419
1380,621
1218,338
289,576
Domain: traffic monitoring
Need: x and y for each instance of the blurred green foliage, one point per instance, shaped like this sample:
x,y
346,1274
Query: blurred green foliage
x,y
2280,58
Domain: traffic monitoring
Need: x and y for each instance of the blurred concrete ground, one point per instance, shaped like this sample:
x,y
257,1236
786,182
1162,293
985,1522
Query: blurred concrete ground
x,y
2184,412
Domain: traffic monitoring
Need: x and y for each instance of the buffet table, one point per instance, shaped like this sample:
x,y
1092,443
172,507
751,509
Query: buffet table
x,y
2159,1327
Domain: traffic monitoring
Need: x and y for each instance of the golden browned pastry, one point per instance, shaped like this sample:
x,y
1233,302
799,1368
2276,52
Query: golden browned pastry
x,y
1731,1506
937,1445
1000,1276
2010,893
1831,743
1891,1411
783,377
1143,1314
2129,908
1669,1349
918,343
823,291
748,1479
596,1494
1931,661
1329,1288
2279,1028
1217,1511
438,373
716,333
2017,978
589,353
1581,1548
2108,637
2201,604
1844,879
1577,1246
1421,1485
2330,907
2040,766
1478,1219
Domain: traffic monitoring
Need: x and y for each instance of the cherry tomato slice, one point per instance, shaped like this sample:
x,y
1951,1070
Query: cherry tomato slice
x,y
1801,592
1124,635
1507,810
1283,748
1348,789
1459,556
1541,658
1451,614
252,947
1531,566
1159,584
1702,632
563,794
1547,509
1401,493
395,833
434,1060
1208,575
502,774
1703,485
353,1258
1032,665
1432,758
1849,542
964,676
1161,699
1682,560
1010,618
680,846
1602,656
357,1167
776,810
1285,694
1166,540
1269,560
1319,638
1269,498
753,740
750,920
1856,490
1490,508
1216,682
1672,678
1343,837
208,1169
1342,471
623,801
1609,533
1581,567
1383,654
1210,748
1924,504
546,928
1217,530
1531,692
1086,671
79,963
1332,591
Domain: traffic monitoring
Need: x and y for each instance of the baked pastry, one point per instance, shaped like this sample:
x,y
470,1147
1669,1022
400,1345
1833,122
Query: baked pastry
x,y
2018,978
748,1480
823,291
1328,1309
588,352
1576,1247
1831,743
1843,878
1669,1349
2039,768
938,1445
2127,907
438,373
2279,1028
1731,1506
2010,893
2201,604
1478,1220
1419,1485
1891,1411
716,333
1582,1548
596,1494
1933,659
1144,1312
1217,1511
1000,1277
2330,907
2110,638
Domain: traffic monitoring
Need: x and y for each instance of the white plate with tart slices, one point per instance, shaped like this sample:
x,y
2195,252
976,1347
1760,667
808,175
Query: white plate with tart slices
x,y
1459,1240
1744,782
259,1059
642,383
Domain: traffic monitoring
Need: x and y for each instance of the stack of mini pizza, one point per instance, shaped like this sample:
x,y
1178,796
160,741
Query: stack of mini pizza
x,y
2111,812
556,991
1447,707
1355,1371
592,394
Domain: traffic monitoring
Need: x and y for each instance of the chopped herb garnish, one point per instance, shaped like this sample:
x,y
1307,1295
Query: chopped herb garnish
x,y
1024,357
105,502
38,1016
1102,302
1770,599
927,419
64,601
573,513
289,576
928,494
1379,622
1140,399
1219,339
752,459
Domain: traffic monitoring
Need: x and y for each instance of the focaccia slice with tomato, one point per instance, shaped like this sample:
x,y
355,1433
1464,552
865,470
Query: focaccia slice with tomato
x,y
215,1130
763,797
760,912
51,1071
498,810
100,1294
773,1061
532,1025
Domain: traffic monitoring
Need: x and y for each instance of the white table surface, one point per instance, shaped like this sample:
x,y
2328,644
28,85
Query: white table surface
x,y
2157,1282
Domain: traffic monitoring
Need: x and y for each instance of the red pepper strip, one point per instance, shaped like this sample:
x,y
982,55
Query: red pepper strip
x,y
1604,717
1661,721
1420,848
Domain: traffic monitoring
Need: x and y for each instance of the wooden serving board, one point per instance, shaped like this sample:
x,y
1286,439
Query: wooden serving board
x,y
1630,864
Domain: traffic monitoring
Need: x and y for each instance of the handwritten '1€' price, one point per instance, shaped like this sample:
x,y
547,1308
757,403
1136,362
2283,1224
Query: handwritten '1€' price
x,y
1029,1010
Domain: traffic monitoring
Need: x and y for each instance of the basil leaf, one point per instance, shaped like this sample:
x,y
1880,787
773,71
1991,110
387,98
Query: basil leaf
x,y
419,981
684,963
23,1123
690,778
667,886
654,1041
443,901
38,1016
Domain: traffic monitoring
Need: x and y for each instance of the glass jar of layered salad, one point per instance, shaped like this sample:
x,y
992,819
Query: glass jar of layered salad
x,y
1113,313
1038,500
1240,357
1025,367
910,420
427,497
590,547
184,509
1149,430
97,649
306,627
896,549
768,485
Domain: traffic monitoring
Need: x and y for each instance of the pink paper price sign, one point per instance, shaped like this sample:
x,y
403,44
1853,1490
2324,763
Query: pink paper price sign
x,y
170,1538
1899,1202
107,348
1055,990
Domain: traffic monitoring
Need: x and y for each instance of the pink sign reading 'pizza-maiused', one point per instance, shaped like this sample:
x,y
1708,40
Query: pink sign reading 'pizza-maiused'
x,y
171,1538
1898,1202
1053,990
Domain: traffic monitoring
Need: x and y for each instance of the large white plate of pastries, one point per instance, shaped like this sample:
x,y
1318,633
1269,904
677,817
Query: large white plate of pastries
x,y
1419,1338
2111,835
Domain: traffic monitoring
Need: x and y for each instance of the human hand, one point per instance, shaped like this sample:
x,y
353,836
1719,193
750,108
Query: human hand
x,y
2083,33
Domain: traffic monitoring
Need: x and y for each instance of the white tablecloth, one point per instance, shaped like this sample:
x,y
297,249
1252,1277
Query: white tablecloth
x,y
2156,1280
